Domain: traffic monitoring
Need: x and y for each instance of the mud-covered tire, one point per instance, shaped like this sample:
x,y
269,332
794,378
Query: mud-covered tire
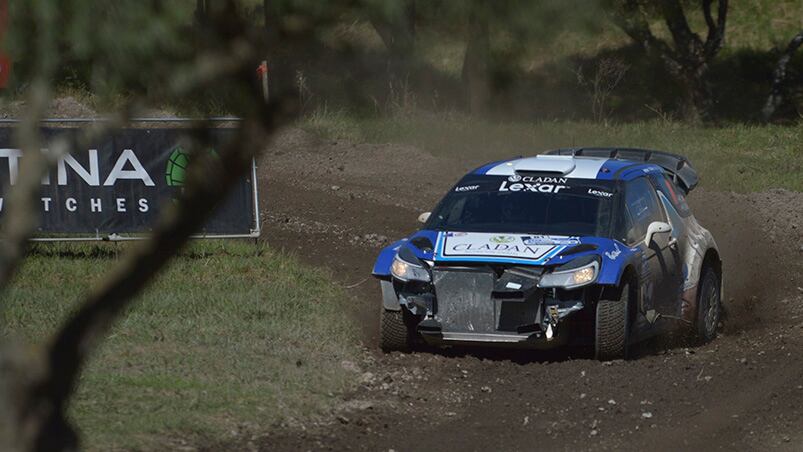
x,y
612,327
394,333
709,307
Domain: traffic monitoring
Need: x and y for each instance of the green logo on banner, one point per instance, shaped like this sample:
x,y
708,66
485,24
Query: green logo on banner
x,y
177,163
177,167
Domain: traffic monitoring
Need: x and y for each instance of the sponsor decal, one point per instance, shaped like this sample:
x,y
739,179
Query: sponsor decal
x,y
540,184
489,246
118,183
549,240
466,188
503,239
456,234
612,255
600,193
127,166
538,179
537,187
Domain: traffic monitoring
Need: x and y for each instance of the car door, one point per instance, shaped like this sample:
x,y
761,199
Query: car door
x,y
676,210
659,267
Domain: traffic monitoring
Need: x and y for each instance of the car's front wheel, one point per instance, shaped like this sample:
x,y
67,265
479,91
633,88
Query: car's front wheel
x,y
396,334
612,327
709,306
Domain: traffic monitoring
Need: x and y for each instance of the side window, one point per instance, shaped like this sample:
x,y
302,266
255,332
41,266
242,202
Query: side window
x,y
642,207
673,194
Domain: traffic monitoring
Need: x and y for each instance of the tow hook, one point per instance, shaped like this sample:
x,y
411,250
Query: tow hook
x,y
555,312
553,322
554,316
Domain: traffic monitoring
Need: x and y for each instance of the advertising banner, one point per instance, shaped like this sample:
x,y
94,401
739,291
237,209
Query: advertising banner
x,y
117,186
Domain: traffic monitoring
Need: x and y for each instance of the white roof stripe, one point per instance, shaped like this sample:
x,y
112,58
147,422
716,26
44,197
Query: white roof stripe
x,y
584,167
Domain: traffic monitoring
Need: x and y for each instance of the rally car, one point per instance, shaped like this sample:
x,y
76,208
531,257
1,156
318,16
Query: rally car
x,y
583,246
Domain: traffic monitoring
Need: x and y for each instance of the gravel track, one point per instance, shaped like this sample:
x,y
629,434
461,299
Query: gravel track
x,y
335,204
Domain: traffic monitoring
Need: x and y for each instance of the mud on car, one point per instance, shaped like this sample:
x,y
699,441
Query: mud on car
x,y
575,246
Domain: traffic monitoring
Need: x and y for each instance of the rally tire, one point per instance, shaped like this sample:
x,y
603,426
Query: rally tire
x,y
394,333
709,307
612,328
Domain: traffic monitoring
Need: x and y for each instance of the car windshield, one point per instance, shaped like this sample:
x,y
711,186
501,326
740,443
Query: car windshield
x,y
527,204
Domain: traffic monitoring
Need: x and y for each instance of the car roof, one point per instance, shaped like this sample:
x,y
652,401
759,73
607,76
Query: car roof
x,y
577,167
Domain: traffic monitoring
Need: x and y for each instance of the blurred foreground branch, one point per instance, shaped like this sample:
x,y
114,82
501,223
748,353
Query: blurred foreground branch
x,y
22,216
36,384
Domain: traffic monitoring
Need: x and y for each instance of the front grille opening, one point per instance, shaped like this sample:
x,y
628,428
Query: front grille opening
x,y
514,315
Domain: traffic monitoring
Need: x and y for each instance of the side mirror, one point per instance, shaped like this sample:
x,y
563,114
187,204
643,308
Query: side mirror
x,y
656,227
424,217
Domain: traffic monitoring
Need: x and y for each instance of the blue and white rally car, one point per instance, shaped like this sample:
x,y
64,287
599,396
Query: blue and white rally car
x,y
591,245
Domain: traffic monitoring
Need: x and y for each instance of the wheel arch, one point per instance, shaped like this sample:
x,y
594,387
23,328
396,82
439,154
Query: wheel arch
x,y
712,258
614,292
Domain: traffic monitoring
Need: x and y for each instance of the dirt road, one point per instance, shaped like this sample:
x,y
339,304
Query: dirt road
x,y
335,204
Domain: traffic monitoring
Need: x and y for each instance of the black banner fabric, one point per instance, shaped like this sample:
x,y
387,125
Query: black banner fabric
x,y
121,183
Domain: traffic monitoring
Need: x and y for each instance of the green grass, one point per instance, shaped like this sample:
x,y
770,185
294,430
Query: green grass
x,y
735,157
231,336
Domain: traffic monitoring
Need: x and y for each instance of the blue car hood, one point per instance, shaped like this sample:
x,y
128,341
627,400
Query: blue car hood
x,y
521,249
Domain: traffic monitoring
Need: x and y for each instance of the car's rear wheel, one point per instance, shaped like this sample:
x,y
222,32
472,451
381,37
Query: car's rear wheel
x,y
396,334
612,327
709,306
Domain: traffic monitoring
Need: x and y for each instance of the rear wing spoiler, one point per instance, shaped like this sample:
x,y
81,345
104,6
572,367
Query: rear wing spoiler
x,y
677,166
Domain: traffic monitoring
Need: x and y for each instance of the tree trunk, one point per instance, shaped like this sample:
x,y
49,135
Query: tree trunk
x,y
778,92
272,25
475,74
397,30
201,13
696,96
687,61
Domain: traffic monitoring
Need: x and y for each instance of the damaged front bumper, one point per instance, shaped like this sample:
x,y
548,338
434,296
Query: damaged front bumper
x,y
483,306
433,334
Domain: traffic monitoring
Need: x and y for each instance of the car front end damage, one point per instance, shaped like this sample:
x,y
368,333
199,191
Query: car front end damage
x,y
495,304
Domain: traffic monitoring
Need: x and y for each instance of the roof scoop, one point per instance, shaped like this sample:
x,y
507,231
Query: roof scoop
x,y
557,164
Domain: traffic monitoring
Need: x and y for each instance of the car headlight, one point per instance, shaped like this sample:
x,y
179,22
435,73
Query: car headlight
x,y
577,275
406,271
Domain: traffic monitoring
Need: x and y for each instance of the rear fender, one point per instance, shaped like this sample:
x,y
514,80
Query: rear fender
x,y
701,250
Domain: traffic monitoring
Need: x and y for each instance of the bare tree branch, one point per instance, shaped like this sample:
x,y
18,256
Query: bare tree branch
x,y
631,19
35,405
688,60
205,189
22,217
716,31
686,41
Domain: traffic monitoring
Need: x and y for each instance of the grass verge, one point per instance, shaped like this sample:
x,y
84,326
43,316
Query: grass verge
x,y
736,157
232,337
